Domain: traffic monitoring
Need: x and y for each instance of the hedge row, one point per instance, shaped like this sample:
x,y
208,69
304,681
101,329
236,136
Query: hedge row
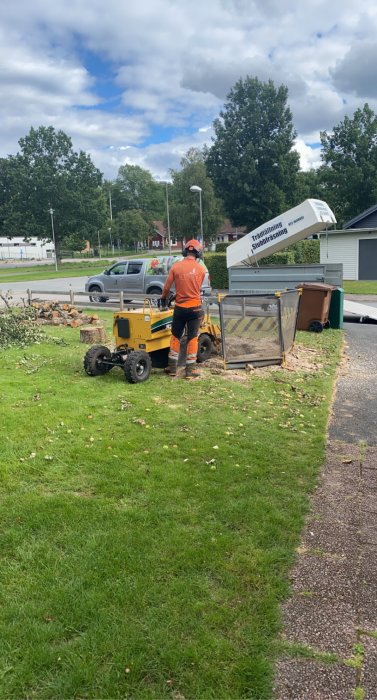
x,y
216,265
301,253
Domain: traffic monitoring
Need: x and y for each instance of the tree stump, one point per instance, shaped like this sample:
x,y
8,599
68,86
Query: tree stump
x,y
92,334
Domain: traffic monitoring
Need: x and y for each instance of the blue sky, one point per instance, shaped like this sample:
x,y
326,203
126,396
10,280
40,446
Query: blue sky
x,y
142,82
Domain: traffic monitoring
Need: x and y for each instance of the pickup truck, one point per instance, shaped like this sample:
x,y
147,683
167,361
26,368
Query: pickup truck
x,y
136,276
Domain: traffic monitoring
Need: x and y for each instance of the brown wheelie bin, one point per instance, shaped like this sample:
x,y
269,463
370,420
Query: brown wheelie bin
x,y
313,312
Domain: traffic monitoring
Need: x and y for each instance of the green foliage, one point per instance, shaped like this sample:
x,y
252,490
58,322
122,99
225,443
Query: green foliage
x,y
18,327
309,186
357,659
300,253
305,252
283,258
221,247
349,171
135,188
73,242
131,227
216,265
185,205
252,161
296,650
48,174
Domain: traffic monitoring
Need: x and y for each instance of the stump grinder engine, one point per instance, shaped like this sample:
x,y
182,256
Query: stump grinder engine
x,y
142,340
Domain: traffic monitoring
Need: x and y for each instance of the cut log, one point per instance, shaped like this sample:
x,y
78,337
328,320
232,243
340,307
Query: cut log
x,y
92,334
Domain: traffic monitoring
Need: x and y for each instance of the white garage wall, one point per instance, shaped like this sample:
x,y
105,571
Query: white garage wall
x,y
342,248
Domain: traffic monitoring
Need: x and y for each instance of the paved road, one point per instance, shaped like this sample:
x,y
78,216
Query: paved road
x,y
61,283
19,289
334,581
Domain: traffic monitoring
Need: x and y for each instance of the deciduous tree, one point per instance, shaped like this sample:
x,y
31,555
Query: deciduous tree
x,y
185,205
135,188
131,228
349,170
252,160
48,174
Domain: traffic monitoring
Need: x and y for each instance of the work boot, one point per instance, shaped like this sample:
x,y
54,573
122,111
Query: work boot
x,y
171,369
192,372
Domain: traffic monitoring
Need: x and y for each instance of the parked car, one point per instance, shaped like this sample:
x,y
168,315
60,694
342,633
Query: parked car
x,y
136,276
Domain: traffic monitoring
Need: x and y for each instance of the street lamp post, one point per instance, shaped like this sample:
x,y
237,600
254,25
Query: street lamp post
x,y
99,245
111,219
110,205
51,212
196,188
111,241
168,218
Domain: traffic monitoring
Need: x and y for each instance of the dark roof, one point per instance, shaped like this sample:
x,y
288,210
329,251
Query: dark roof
x,y
360,217
227,227
160,228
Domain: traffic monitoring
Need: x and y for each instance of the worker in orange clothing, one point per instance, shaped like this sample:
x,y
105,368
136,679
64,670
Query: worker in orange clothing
x,y
187,275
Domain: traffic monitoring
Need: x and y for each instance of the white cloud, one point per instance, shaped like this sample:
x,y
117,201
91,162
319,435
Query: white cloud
x,y
309,156
144,81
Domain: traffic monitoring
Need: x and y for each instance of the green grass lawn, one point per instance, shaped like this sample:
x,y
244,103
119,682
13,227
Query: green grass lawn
x,y
147,530
47,272
66,269
360,286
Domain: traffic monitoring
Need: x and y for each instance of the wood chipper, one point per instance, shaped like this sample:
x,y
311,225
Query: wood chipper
x,y
142,340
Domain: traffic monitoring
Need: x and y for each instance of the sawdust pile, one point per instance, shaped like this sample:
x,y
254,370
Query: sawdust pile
x,y
300,359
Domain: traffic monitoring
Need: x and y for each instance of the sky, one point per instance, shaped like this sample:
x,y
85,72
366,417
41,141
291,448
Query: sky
x,y
141,81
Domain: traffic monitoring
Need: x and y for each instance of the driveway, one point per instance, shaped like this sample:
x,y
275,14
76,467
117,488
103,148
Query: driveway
x,y
332,608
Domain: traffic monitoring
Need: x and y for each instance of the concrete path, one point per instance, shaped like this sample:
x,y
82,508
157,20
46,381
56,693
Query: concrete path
x,y
333,607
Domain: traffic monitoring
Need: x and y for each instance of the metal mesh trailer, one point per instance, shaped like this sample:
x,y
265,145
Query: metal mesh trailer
x,y
258,329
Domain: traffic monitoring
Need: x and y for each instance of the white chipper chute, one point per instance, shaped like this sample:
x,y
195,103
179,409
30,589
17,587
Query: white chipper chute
x,y
302,221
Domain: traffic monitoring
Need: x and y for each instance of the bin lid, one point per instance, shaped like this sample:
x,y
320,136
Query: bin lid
x,y
316,285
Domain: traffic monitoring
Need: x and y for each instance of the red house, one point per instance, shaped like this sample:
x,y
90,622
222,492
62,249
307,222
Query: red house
x,y
159,239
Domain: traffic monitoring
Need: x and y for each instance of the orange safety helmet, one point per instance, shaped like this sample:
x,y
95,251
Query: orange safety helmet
x,y
193,246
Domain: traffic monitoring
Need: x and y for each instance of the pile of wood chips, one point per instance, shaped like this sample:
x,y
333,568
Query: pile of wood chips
x,y
56,314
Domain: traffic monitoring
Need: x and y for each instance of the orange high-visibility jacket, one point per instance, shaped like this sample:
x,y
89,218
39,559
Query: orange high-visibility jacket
x,y
187,275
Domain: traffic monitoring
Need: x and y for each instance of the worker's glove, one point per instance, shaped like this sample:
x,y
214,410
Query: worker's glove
x,y
162,304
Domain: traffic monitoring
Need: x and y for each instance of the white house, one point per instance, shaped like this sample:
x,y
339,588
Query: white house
x,y
19,248
355,246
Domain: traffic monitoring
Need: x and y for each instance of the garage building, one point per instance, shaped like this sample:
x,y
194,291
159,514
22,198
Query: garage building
x,y
355,246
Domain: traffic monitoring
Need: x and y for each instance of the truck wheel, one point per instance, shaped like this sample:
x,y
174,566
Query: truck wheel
x,y
154,290
205,347
93,360
137,367
96,297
